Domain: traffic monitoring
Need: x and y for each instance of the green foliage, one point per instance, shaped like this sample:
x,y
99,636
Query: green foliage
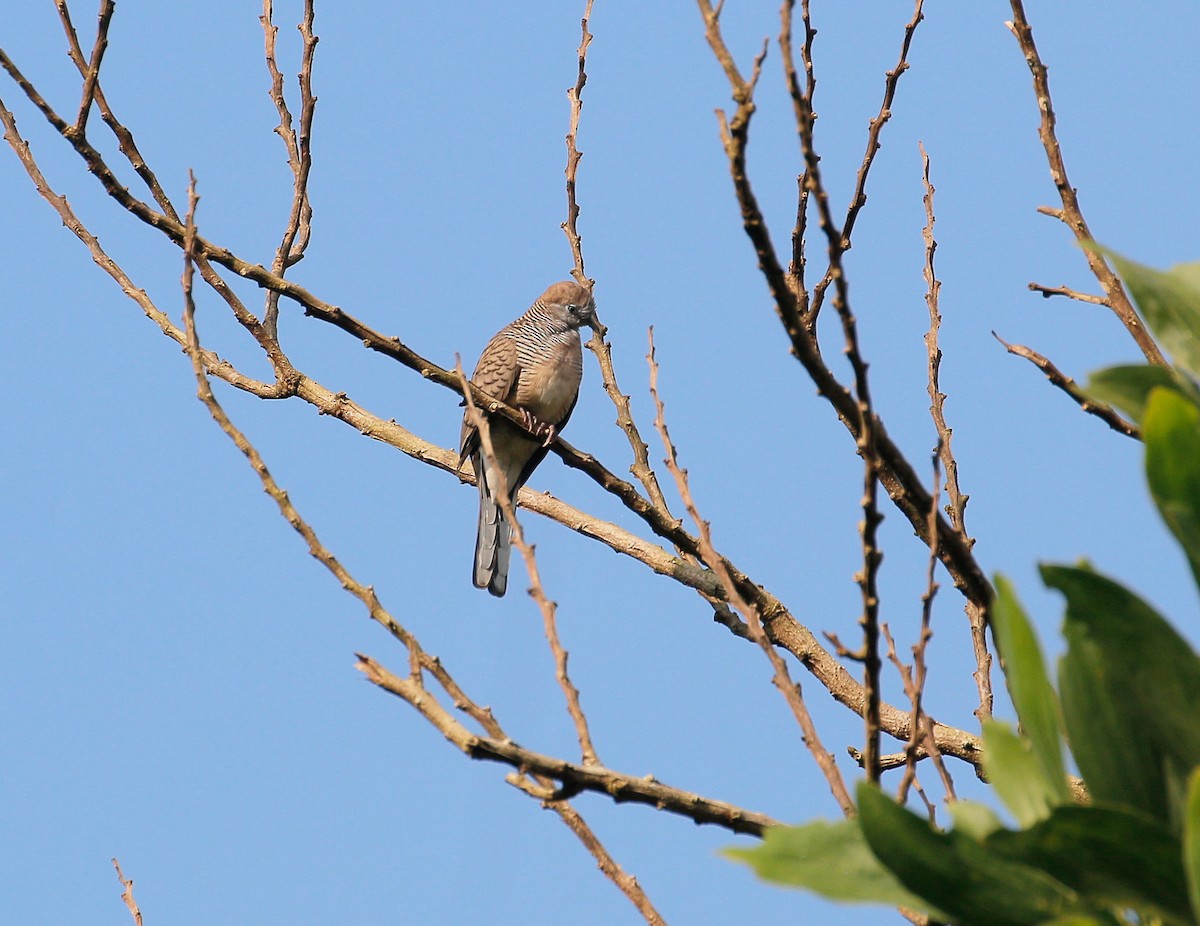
x,y
1171,429
1169,302
1128,702
830,858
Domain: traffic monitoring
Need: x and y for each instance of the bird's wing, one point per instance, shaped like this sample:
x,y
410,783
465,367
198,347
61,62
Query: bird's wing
x,y
497,374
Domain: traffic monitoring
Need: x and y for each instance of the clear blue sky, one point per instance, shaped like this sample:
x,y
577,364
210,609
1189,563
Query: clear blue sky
x,y
177,678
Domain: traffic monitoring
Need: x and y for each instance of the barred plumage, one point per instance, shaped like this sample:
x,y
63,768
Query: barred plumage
x,y
535,364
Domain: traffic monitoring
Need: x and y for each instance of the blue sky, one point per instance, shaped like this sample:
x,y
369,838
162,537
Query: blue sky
x,y
177,680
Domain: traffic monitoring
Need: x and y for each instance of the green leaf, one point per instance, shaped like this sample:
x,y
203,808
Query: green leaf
x,y
1172,435
1130,687
1191,843
1169,301
956,873
974,819
1128,387
830,859
1032,694
1017,775
1112,857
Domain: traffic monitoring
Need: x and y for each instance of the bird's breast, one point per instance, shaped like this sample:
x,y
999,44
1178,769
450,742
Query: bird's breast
x,y
548,387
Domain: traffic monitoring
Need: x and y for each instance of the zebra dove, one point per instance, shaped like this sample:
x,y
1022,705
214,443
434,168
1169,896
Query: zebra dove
x,y
535,365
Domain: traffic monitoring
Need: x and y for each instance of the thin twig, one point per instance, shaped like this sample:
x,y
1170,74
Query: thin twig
x,y
548,608
285,375
625,882
1071,214
1048,291
575,95
921,742
956,507
780,675
127,894
298,231
125,141
839,243
1057,377
806,117
93,70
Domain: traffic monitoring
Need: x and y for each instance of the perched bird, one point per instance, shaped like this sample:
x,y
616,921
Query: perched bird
x,y
535,364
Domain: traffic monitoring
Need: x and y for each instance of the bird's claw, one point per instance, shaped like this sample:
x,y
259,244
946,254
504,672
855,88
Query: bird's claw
x,y
538,428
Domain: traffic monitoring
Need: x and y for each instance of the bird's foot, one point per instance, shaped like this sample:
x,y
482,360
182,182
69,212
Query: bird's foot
x,y
538,428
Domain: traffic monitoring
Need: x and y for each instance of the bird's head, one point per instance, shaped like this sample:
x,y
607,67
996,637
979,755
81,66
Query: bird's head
x,y
571,302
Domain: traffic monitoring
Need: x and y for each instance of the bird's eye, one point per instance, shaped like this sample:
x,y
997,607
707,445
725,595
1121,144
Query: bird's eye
x,y
572,308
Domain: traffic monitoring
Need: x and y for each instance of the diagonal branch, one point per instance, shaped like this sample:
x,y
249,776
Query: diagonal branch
x,y
1057,377
621,788
781,677
896,474
1071,214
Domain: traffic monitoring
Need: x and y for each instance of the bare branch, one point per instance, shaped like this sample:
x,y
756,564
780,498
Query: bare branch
x,y
1105,413
575,778
779,623
299,149
125,141
1048,291
625,882
717,563
896,474
588,777
1071,214
93,70
956,509
839,241
575,95
127,894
